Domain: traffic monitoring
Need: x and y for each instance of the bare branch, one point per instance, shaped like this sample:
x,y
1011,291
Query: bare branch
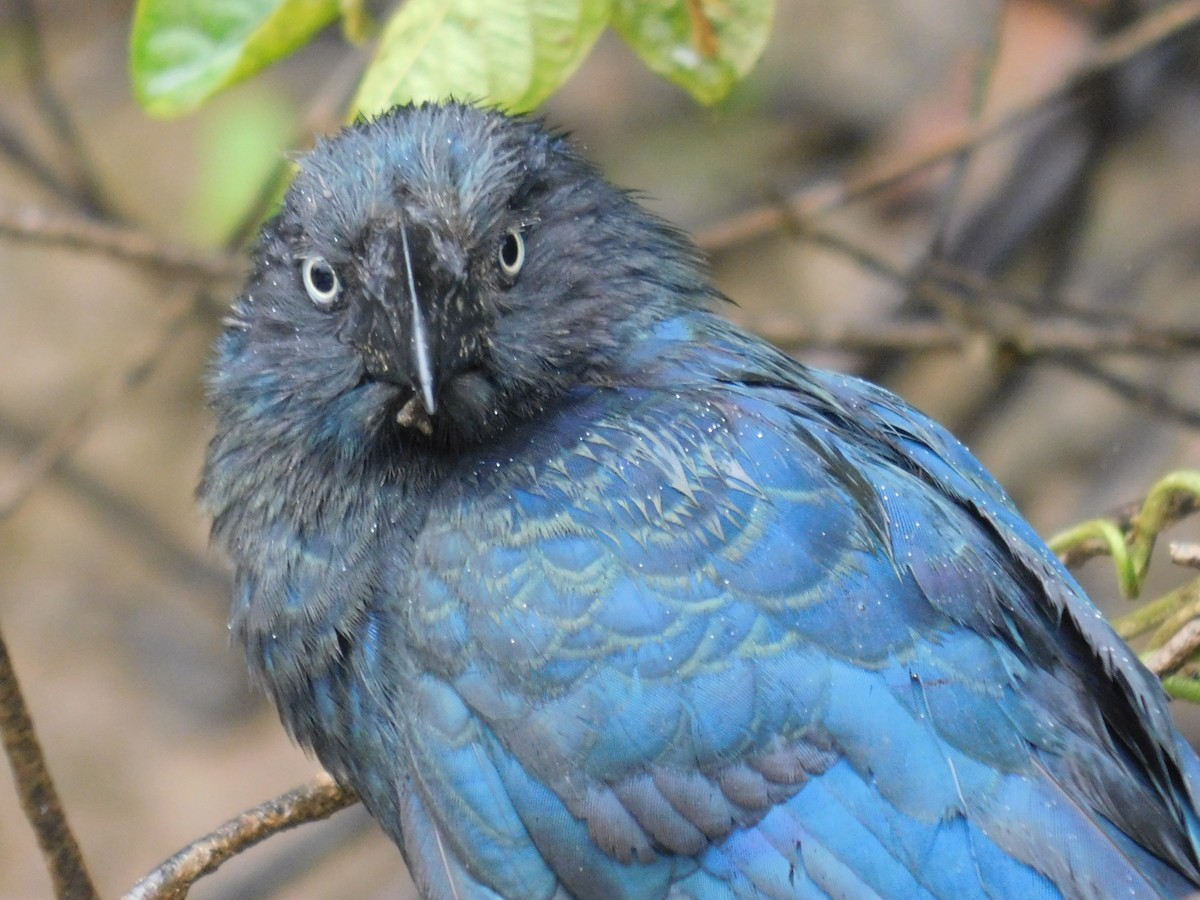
x,y
1185,554
1148,397
1175,652
1179,505
319,799
1017,330
1031,339
33,223
39,799
1148,32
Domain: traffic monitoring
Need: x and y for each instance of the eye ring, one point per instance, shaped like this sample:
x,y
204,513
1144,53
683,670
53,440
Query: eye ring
x,y
511,255
321,282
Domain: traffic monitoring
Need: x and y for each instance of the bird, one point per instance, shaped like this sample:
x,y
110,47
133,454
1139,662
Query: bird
x,y
590,593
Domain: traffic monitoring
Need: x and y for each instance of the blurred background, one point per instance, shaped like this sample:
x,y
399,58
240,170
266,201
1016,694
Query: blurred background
x,y
1037,293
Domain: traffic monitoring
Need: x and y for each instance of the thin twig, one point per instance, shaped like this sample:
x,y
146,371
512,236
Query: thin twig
x,y
1147,397
67,436
292,864
1175,652
1071,343
1032,300
1145,34
1029,339
1151,615
34,223
1179,505
1185,554
15,145
981,86
949,276
1027,335
86,191
39,799
319,799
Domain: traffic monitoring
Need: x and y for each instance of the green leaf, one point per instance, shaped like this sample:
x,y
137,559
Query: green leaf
x,y
704,46
184,51
241,142
356,21
512,53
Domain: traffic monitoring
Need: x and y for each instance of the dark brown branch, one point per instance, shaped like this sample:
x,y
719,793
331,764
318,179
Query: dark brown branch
x,y
1028,339
319,799
1016,331
32,223
1148,32
1071,340
39,799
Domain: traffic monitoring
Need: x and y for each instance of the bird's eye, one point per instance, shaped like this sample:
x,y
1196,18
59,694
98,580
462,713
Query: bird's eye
x,y
321,281
512,253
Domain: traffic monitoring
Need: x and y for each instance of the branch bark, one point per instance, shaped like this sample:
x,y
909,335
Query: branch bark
x,y
319,799
1148,32
39,799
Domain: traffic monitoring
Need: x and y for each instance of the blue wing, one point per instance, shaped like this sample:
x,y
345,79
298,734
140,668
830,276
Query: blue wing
x,y
732,629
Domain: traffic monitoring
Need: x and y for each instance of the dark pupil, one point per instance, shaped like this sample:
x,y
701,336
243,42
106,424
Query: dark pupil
x,y
511,251
322,279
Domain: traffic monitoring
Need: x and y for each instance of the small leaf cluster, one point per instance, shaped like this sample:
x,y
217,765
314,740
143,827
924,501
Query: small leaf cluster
x,y
508,53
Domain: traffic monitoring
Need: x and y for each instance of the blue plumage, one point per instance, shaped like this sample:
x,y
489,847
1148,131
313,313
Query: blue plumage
x,y
589,593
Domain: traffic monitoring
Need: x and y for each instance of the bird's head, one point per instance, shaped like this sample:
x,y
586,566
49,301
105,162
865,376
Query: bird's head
x,y
444,271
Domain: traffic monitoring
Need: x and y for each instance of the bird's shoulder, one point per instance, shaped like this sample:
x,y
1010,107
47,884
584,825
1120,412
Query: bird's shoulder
x,y
719,575
711,478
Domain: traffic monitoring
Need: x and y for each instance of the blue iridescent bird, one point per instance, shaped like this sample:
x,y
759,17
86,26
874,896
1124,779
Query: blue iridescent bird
x,y
591,594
